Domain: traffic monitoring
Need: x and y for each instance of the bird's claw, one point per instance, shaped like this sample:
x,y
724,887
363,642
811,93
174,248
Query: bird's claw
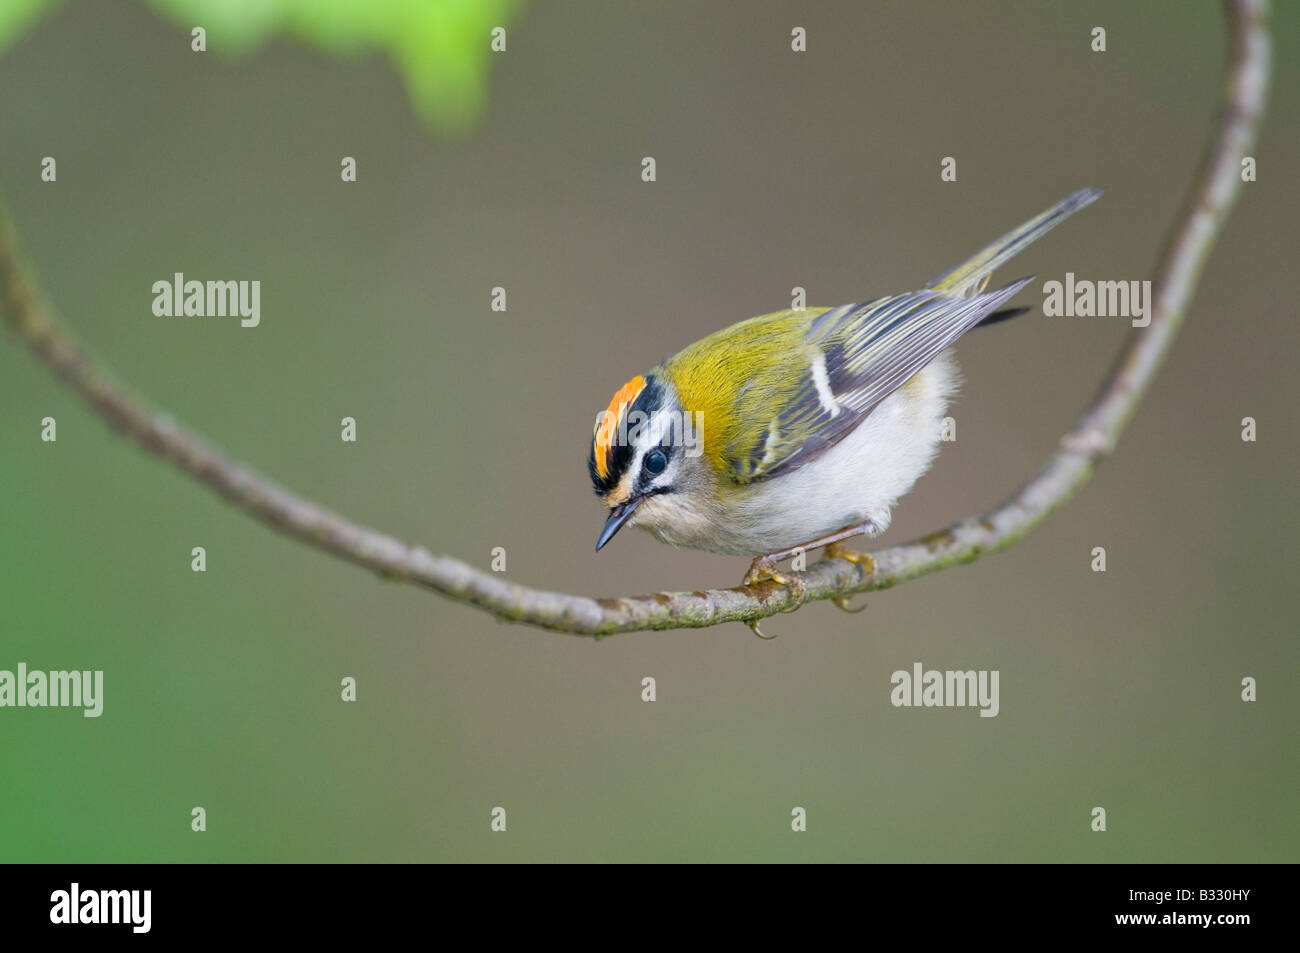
x,y
764,568
842,602
837,551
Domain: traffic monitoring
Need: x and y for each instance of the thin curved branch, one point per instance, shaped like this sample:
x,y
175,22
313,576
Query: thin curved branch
x,y
1092,437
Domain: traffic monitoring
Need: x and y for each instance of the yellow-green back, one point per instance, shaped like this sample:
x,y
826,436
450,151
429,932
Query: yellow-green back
x,y
739,378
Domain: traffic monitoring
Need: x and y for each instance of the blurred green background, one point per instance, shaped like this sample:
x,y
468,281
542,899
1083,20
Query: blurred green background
x,y
775,169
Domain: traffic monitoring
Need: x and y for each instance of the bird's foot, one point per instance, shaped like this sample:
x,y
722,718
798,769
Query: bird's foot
x,y
837,551
764,567
842,602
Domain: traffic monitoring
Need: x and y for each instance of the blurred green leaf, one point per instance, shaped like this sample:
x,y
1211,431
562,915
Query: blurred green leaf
x,y
440,47
17,15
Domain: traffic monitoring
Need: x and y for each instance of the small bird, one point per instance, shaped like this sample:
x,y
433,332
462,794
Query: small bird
x,y
801,428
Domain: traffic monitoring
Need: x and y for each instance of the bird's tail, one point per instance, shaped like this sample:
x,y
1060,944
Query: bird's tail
x,y
970,276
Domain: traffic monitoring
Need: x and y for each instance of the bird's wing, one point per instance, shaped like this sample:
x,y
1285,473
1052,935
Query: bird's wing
x,y
846,361
813,380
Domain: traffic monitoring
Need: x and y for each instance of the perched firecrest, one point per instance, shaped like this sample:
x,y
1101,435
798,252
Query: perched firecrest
x,y
800,428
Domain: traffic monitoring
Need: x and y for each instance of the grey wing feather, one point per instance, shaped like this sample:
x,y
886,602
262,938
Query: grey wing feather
x,y
868,351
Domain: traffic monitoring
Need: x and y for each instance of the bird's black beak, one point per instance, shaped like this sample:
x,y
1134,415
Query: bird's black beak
x,y
617,517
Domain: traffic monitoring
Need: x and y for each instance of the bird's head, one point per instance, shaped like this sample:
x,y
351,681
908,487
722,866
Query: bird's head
x,y
645,450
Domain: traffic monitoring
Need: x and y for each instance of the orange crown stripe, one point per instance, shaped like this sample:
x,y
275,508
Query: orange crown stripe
x,y
627,394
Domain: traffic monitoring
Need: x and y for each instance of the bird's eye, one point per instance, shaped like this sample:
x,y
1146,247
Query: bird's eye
x,y
655,461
